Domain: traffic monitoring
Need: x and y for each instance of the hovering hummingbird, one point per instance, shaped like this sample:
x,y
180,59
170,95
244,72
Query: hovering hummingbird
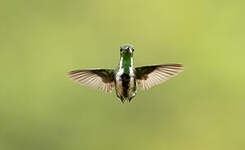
x,y
125,79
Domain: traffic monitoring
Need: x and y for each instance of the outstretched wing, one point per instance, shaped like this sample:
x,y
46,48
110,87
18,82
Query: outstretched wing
x,y
149,76
102,79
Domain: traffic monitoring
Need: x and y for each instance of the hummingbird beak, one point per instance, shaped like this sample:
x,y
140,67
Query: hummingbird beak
x,y
128,50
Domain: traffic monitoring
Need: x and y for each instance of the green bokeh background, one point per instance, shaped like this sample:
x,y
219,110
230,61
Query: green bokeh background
x,y
201,109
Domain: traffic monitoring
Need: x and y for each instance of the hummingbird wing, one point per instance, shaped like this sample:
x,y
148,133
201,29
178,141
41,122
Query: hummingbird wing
x,y
102,79
149,76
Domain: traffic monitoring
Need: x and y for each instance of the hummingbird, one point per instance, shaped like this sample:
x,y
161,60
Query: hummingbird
x,y
125,78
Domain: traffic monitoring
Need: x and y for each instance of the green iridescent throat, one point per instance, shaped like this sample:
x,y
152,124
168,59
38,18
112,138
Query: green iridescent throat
x,y
126,62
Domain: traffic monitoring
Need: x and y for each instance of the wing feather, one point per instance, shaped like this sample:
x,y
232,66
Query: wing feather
x,y
102,79
149,76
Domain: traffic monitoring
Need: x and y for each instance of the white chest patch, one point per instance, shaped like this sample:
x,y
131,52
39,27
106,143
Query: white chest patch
x,y
119,74
131,72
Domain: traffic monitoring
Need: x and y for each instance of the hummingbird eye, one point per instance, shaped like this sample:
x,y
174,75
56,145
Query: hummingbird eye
x,y
120,49
133,49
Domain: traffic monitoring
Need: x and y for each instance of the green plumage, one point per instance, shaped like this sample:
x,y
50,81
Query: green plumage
x,y
126,64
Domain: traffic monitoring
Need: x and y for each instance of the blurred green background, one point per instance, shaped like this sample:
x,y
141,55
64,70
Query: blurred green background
x,y
201,109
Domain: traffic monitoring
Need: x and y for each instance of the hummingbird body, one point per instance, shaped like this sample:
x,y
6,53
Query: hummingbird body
x,y
125,78
125,82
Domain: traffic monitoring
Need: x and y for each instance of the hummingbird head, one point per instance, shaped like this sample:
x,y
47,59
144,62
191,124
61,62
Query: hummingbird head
x,y
126,50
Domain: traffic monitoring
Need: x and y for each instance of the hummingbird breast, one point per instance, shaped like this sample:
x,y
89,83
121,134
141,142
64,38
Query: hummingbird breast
x,y
125,85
